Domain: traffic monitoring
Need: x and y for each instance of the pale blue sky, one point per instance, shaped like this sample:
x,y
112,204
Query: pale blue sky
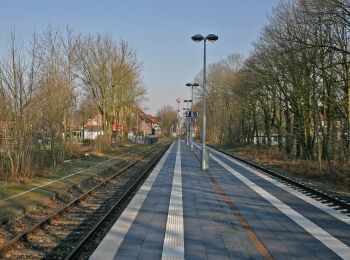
x,y
159,31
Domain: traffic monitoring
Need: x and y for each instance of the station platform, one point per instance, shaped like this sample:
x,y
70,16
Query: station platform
x,y
230,211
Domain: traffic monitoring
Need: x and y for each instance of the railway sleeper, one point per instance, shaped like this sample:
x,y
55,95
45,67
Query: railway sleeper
x,y
78,213
43,237
105,201
66,222
55,254
24,253
43,247
101,196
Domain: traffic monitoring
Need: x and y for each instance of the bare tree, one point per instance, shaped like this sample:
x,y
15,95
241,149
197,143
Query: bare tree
x,y
17,91
295,85
168,119
111,73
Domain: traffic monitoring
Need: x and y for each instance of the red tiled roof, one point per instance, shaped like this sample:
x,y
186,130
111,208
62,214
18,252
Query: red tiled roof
x,y
149,118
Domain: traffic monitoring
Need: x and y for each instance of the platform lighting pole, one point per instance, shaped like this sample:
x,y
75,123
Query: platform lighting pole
x,y
191,119
183,123
199,38
186,123
188,126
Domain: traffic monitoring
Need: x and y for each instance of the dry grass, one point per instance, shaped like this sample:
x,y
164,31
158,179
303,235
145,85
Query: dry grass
x,y
304,169
102,143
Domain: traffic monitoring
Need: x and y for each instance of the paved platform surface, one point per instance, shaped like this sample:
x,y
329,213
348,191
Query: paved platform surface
x,y
228,212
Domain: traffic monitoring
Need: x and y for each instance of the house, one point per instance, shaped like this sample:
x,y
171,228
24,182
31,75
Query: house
x,y
93,127
140,124
264,140
146,123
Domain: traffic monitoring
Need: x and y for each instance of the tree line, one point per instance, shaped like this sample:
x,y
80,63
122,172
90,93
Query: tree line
x,y
51,84
292,89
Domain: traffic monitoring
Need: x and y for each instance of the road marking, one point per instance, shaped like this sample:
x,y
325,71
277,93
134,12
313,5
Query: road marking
x,y
174,246
317,204
334,244
111,243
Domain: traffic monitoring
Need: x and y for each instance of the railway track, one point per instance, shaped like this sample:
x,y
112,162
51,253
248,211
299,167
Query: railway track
x,y
63,233
332,199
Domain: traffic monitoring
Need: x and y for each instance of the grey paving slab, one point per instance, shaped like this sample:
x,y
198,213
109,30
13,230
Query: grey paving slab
x,y
282,236
150,256
209,225
211,229
329,223
130,227
149,225
173,246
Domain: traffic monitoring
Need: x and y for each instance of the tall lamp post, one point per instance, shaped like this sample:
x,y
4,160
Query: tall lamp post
x,y
187,123
178,117
191,119
199,38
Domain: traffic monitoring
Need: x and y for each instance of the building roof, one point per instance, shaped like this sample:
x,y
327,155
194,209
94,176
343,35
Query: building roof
x,y
148,118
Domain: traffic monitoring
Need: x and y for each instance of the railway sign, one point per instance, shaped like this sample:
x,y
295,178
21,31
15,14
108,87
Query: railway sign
x,y
191,114
195,114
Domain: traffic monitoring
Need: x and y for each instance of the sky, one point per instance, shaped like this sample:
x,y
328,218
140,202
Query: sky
x,y
158,30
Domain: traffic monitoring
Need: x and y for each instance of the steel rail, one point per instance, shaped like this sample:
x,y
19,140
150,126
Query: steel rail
x,y
75,252
23,234
330,199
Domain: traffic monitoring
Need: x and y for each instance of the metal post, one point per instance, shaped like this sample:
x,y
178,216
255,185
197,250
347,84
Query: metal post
x,y
137,127
186,125
137,123
144,128
199,38
191,119
205,157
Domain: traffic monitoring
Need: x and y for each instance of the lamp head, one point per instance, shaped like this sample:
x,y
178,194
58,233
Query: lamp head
x,y
197,38
192,84
212,37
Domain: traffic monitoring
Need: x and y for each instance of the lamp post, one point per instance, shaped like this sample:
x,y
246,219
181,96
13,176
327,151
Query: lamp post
x,y
178,117
187,124
199,38
191,119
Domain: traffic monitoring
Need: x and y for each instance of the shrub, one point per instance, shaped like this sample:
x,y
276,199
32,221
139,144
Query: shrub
x,y
102,143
